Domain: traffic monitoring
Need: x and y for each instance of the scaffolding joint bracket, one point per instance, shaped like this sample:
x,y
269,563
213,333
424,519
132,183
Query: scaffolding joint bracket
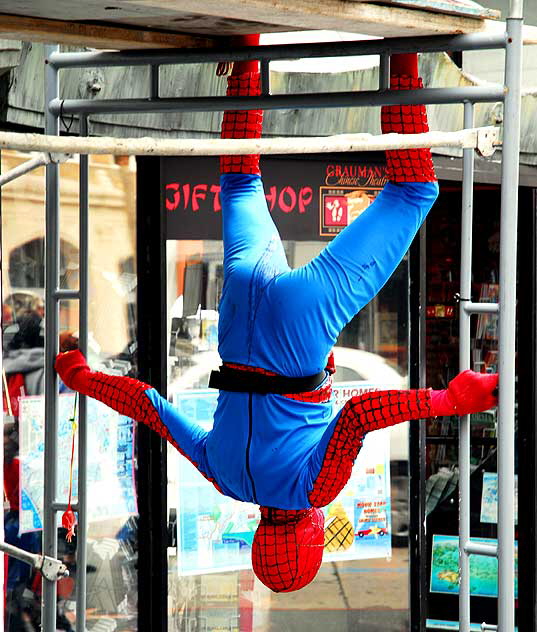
x,y
51,568
487,141
59,157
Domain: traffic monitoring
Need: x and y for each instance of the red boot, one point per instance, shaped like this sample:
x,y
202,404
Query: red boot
x,y
243,81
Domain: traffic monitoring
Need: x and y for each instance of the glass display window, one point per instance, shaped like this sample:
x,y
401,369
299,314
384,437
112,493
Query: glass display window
x,y
112,591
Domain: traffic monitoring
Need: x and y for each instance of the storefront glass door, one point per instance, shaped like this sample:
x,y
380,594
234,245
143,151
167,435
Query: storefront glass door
x,y
365,579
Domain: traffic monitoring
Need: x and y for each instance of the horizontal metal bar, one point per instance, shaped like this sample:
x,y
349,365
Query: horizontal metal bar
x,y
63,295
25,167
424,44
483,139
449,439
50,567
477,548
480,308
19,554
59,506
473,94
488,626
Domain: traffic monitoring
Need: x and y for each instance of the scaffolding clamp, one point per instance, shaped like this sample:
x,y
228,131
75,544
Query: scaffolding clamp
x,y
487,141
51,568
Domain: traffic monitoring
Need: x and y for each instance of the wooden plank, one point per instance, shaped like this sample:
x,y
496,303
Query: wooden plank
x,y
337,15
94,36
467,8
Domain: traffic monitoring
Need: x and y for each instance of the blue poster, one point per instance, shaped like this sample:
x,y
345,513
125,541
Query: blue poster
x,y
489,498
111,491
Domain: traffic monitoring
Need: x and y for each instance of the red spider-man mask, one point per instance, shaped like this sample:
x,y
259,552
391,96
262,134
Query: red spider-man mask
x,y
287,550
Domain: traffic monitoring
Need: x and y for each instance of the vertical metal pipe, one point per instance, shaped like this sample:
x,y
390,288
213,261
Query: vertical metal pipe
x,y
464,363
3,578
52,257
384,71
265,77
154,87
82,533
507,320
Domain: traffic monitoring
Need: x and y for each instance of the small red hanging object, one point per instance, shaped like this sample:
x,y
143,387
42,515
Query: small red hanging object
x,y
69,523
68,518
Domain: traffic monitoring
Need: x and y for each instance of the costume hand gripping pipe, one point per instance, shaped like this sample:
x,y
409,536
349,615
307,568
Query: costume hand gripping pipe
x,y
276,440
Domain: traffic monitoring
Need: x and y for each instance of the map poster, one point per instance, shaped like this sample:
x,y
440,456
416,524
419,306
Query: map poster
x,y
111,487
483,569
215,533
489,498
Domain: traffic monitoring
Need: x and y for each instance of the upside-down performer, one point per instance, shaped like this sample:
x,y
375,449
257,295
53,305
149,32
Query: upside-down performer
x,y
276,440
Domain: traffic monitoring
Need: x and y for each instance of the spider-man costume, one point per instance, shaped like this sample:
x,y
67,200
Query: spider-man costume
x,y
290,453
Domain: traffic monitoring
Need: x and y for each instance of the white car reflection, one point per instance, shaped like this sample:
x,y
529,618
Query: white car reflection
x,y
361,368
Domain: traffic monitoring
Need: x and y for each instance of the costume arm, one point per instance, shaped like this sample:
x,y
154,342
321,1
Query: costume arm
x,y
137,400
334,458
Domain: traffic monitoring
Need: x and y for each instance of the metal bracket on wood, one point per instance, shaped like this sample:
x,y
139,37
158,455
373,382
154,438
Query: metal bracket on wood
x,y
51,568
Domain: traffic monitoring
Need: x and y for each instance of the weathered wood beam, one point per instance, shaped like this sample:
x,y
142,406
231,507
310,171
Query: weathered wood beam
x,y
337,15
444,6
484,139
94,36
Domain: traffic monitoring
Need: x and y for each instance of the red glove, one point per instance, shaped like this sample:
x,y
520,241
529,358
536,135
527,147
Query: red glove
x,y
74,370
467,393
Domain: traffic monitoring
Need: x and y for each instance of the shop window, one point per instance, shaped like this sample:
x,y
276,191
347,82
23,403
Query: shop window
x,y
112,520
27,265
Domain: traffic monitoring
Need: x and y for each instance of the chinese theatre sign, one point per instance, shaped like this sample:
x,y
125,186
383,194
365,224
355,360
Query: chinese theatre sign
x,y
308,198
349,189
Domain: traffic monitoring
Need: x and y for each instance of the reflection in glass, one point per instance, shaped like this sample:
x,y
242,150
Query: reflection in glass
x,y
112,535
211,585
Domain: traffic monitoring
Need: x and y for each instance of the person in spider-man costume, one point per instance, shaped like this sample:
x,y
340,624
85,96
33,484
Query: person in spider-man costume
x,y
282,446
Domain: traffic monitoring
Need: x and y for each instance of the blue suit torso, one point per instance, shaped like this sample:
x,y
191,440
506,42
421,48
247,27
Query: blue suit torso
x,y
268,449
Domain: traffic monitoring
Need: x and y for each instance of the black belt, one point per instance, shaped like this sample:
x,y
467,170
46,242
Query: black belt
x,y
244,381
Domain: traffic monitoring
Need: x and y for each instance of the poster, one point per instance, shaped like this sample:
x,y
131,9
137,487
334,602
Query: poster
x,y
215,533
483,568
340,205
111,487
489,498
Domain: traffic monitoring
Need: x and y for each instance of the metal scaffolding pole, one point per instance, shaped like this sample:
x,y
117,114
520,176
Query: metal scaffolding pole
x,y
483,139
81,540
469,95
507,319
423,44
52,258
464,363
426,96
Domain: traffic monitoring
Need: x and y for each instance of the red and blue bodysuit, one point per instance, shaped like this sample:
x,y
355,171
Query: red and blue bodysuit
x,y
291,453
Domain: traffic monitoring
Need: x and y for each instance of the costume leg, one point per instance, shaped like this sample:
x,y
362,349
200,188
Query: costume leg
x,y
253,251
325,294
248,228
